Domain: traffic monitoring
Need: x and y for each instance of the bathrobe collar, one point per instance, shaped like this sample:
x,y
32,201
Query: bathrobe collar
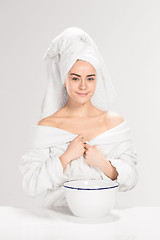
x,y
46,136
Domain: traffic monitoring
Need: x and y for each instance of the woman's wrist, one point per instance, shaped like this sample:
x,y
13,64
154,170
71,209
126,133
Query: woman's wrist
x,y
103,163
108,169
64,159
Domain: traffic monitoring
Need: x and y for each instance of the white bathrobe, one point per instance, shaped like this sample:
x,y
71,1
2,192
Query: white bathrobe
x,y
43,172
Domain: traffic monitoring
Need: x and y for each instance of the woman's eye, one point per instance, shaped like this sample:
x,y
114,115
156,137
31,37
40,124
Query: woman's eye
x,y
90,79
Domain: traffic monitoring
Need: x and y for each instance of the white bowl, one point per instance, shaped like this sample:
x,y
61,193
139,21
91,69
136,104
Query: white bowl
x,y
91,198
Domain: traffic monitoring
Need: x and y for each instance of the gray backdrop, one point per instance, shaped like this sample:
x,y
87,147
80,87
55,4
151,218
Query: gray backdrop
x,y
127,34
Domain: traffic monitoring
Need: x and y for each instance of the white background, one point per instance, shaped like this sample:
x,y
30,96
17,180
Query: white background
x,y
128,37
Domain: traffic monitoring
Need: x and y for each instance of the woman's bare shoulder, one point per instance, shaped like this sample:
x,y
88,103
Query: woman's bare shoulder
x,y
113,118
53,120
50,121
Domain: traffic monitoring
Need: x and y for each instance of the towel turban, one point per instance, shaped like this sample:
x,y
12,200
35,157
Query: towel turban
x,y
72,44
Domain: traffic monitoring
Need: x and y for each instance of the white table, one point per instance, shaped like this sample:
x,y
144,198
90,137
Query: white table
x,y
35,224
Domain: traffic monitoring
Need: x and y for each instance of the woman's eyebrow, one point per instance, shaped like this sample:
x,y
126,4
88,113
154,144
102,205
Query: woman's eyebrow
x,y
80,75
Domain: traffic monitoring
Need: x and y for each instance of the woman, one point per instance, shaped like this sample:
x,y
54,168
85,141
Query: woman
x,y
77,137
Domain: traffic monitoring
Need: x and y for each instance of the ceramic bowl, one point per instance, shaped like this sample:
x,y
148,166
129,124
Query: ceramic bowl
x,y
91,198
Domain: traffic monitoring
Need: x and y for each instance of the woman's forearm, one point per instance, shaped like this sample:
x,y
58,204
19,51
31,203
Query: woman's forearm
x,y
108,169
104,164
64,159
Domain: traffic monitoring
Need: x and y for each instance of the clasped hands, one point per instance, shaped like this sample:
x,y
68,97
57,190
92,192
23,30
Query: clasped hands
x,y
92,154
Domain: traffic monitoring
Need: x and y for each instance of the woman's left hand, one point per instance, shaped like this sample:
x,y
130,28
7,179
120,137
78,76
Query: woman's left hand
x,y
93,155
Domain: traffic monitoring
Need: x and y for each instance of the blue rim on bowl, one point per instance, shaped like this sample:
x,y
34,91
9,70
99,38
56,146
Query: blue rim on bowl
x,y
80,188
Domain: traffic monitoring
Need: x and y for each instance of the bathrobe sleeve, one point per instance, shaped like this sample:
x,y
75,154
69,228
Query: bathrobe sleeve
x,y
126,165
41,170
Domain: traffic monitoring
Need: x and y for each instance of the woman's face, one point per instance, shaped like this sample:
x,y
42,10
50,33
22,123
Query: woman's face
x,y
81,81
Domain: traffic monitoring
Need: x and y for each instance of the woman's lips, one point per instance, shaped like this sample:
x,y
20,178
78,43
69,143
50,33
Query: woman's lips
x,y
82,94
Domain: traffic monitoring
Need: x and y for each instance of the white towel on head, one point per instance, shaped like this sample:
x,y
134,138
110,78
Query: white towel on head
x,y
65,49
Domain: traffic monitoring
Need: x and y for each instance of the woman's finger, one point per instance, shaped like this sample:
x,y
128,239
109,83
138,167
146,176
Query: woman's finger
x,y
87,146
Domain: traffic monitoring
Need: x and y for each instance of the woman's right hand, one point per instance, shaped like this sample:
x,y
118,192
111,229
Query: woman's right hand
x,y
76,147
74,150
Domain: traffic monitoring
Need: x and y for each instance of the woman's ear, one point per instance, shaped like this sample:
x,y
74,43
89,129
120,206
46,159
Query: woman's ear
x,y
65,83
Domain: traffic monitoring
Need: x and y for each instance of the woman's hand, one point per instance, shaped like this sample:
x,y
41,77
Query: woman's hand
x,y
76,147
93,155
74,150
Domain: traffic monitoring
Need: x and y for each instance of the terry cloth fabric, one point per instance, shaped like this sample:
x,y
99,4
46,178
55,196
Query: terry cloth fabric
x,y
43,173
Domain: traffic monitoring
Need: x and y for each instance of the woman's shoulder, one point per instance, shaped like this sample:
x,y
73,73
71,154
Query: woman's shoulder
x,y
53,120
113,118
48,121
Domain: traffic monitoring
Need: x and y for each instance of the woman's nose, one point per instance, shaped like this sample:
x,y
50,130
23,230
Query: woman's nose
x,y
82,84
